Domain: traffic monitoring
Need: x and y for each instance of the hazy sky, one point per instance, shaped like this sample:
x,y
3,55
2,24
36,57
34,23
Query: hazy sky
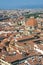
x,y
14,4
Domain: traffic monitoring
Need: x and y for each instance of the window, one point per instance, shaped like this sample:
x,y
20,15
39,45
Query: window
x,y
30,27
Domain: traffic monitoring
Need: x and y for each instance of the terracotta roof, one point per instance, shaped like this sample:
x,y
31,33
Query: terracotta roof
x,y
31,22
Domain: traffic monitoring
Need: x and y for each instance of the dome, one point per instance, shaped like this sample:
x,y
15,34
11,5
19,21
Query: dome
x,y
31,22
